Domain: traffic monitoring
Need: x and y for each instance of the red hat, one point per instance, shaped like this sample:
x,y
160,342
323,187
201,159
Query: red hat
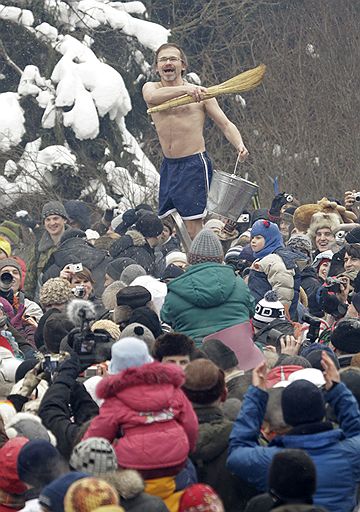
x,y
280,374
200,497
4,343
9,478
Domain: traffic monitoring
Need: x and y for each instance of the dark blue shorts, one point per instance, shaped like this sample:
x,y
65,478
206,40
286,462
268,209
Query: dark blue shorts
x,y
184,186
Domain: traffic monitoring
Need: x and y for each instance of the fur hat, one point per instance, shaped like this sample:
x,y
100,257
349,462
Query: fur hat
x,y
108,326
220,354
173,344
205,247
322,220
128,353
268,309
55,291
136,330
95,456
199,497
25,424
127,482
53,208
303,215
131,272
133,296
87,494
346,336
149,225
52,496
302,402
204,382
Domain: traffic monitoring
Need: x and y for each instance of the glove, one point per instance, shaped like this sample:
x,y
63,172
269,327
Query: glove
x,y
277,203
24,218
17,320
31,381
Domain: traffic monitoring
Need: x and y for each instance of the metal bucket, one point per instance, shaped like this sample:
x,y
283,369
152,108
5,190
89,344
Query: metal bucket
x,y
229,195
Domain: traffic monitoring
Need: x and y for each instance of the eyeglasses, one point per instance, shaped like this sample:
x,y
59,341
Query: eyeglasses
x,y
171,59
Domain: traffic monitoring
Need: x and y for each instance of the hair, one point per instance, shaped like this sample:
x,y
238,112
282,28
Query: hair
x,y
352,250
171,45
173,344
294,360
84,274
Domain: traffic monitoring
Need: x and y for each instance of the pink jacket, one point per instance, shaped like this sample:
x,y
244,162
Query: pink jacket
x,y
146,409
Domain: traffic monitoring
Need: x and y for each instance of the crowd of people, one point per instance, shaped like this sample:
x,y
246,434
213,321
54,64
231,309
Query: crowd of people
x,y
137,376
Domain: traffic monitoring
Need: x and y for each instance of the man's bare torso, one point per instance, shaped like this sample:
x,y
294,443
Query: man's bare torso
x,y
180,130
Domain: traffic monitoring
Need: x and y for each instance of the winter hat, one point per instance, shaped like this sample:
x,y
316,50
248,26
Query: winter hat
x,y
292,476
8,364
72,233
173,344
216,225
171,272
133,296
9,479
321,220
10,262
34,460
322,257
108,296
94,456
88,494
346,336
115,268
139,331
149,225
52,496
108,326
268,309
259,214
156,288
91,235
131,272
117,220
204,382
147,317
351,378
205,247
55,291
200,497
128,353
90,385
7,411
302,402
5,247
25,424
301,243
220,354
11,230
53,208
353,237
272,235
176,257
278,376
79,212
312,375
56,327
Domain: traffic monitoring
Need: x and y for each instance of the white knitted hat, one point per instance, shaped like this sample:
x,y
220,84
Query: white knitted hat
x,y
268,309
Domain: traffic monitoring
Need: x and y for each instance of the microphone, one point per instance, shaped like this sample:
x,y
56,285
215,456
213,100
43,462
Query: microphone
x,y
80,311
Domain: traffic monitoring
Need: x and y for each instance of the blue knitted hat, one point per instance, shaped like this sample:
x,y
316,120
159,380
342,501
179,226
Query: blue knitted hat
x,y
272,235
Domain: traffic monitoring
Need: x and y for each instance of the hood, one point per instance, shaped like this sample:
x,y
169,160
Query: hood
x,y
205,285
74,250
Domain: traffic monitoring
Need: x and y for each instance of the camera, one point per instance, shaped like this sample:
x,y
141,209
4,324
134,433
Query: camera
x,y
357,197
289,198
332,284
273,338
6,280
76,267
79,291
50,364
314,329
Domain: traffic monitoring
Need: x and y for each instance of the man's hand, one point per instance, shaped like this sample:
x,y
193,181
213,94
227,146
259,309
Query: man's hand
x,y
277,203
331,373
243,152
349,199
259,376
289,345
31,381
196,91
66,273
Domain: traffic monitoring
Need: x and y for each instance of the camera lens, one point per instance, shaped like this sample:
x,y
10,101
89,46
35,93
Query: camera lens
x,y
6,278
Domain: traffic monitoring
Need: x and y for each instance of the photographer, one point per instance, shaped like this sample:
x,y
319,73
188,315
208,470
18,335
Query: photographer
x,y
82,283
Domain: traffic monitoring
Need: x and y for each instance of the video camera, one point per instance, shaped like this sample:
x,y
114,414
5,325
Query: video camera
x,y
314,329
332,284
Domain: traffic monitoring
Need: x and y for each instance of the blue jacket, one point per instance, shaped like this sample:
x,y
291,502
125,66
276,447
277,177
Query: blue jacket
x,y
335,453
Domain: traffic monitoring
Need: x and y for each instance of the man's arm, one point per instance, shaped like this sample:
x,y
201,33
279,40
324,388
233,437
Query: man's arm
x,y
155,94
226,126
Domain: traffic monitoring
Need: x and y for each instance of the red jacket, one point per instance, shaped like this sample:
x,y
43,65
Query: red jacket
x,y
148,411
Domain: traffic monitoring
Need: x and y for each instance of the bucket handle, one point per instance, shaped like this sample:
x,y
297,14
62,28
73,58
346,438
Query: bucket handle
x,y
236,164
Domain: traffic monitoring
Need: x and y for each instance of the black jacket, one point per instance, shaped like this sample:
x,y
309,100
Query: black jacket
x,y
310,282
134,245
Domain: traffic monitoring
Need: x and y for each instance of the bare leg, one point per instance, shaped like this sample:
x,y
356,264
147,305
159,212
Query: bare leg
x,y
193,227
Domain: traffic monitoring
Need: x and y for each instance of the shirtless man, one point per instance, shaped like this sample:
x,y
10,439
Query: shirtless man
x,y
186,171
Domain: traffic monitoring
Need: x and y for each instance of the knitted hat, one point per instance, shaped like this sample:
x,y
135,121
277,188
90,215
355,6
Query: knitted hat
x,y
292,476
149,225
173,344
204,382
133,296
128,353
200,497
9,479
346,336
34,460
353,237
302,402
301,243
220,354
148,317
268,309
55,291
5,247
11,230
52,496
79,212
175,257
272,235
131,272
108,326
205,247
88,494
53,208
95,456
10,262
115,268
136,330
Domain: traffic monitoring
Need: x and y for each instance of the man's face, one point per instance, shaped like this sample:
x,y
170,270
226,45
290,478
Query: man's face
x,y
169,65
351,263
324,239
54,225
165,235
16,277
182,361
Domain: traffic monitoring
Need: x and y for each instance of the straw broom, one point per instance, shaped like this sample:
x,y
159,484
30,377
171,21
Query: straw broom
x,y
239,83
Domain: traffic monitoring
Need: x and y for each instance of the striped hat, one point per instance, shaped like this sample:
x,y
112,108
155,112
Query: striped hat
x,y
268,309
